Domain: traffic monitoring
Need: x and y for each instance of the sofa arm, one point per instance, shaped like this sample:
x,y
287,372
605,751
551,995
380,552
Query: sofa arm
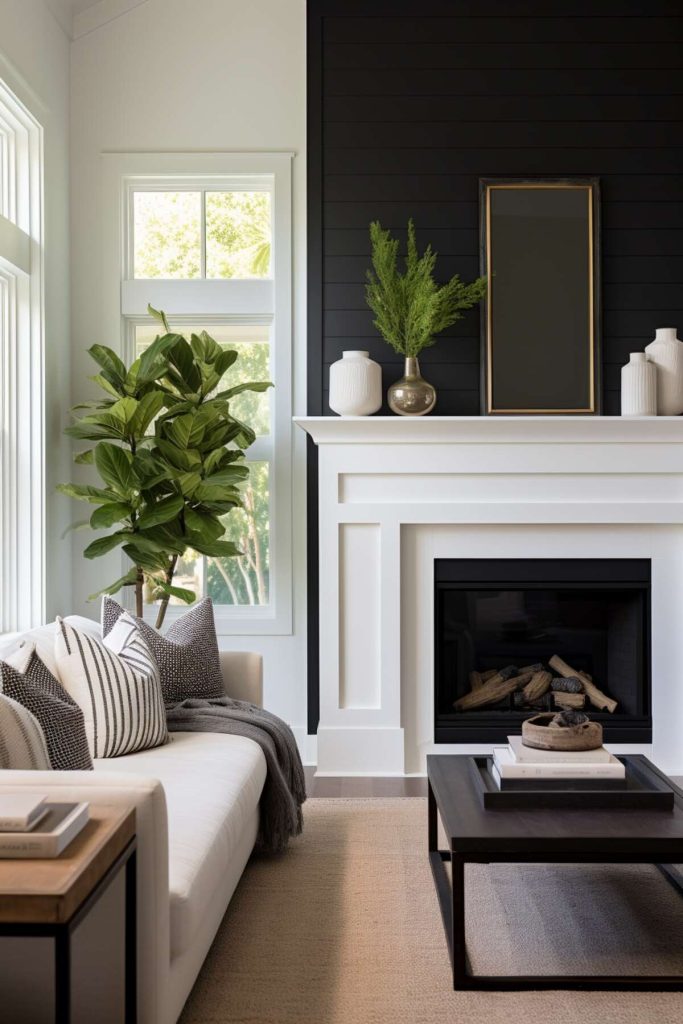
x,y
153,905
243,675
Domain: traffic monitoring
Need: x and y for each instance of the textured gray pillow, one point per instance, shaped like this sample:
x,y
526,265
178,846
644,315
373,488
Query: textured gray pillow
x,y
25,679
22,743
187,656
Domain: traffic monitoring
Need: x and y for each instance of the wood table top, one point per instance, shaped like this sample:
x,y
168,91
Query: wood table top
x,y
470,827
50,890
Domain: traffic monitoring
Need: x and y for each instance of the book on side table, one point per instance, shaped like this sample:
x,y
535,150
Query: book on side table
x,y
59,825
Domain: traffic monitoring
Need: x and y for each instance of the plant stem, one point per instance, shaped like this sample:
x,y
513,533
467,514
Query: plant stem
x,y
164,601
139,582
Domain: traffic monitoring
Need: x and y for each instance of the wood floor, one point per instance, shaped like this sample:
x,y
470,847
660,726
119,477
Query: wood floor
x,y
365,786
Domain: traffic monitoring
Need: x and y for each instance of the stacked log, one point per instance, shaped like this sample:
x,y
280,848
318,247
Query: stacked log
x,y
533,686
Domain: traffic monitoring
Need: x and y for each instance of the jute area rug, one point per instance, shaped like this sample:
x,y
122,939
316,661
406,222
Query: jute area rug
x,y
345,929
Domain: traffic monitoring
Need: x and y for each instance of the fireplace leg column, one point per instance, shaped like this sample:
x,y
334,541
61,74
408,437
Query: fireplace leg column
x,y
360,617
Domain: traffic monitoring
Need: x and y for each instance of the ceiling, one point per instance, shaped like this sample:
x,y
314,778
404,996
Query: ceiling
x,y
77,17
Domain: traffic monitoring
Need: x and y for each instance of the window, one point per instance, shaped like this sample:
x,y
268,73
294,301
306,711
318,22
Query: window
x,y
207,238
21,367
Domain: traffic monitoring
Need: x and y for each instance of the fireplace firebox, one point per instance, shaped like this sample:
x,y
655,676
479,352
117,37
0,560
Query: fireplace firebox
x,y
587,619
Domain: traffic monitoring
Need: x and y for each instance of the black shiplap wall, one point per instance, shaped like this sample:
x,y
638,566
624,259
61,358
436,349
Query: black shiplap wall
x,y
415,101
411,102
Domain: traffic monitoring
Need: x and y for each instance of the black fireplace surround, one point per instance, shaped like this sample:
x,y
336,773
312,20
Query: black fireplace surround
x,y
492,613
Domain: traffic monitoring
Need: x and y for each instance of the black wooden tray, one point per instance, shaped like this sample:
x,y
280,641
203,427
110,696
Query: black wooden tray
x,y
643,790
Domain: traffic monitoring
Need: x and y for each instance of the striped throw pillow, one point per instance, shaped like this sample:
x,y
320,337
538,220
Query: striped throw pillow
x,y
115,682
22,743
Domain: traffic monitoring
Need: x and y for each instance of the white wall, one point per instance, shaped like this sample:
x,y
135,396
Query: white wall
x,y
178,76
34,62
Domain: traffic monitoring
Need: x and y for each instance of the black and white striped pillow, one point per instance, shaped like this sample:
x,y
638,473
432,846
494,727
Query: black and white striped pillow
x,y
115,682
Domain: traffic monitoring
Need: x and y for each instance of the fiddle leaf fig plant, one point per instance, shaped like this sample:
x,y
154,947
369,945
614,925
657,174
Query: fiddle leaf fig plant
x,y
170,457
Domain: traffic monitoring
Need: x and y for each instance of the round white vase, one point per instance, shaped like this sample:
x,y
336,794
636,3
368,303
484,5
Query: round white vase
x,y
355,385
666,352
638,387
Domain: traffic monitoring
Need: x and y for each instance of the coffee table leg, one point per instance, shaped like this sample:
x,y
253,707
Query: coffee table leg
x,y
458,921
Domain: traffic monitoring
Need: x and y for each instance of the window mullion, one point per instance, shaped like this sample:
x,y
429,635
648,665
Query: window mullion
x,y
202,236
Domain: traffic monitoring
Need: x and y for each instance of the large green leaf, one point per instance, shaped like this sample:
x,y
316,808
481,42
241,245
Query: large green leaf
x,y
153,360
188,483
105,516
150,561
188,596
230,476
97,428
161,512
112,364
178,430
84,458
106,385
148,407
124,410
125,581
115,466
204,523
182,359
214,548
185,460
83,492
104,544
261,385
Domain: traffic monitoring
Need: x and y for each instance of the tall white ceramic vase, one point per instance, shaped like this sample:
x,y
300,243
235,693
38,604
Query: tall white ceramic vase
x,y
355,385
666,352
638,387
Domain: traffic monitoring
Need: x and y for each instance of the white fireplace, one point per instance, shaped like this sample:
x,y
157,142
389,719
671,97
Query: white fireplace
x,y
397,493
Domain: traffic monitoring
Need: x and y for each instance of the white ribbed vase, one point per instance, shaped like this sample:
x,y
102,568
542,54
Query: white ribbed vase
x,y
666,352
639,387
355,385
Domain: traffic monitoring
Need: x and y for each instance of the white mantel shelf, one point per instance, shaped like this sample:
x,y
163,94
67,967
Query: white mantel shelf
x,y
396,493
492,429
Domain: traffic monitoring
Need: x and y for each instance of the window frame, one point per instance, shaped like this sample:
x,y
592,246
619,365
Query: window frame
x,y
202,301
22,352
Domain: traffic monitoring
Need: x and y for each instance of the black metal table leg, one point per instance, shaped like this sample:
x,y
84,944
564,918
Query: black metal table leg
x,y
458,941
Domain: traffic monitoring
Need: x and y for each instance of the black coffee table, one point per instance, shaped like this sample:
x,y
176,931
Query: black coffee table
x,y
545,836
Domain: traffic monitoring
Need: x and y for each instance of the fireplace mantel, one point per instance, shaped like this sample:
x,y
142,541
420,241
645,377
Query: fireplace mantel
x,y
397,493
491,429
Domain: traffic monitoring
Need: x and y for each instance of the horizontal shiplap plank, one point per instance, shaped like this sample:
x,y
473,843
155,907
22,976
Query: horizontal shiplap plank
x,y
449,376
420,29
357,242
506,81
448,403
637,323
617,350
654,296
553,108
492,162
449,132
415,56
620,186
462,351
641,269
430,215
353,268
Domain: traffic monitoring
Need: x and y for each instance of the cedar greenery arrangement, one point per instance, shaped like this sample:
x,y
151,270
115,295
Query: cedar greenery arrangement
x,y
411,308
170,456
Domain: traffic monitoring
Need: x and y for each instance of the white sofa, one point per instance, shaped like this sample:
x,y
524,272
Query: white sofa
x,y
197,808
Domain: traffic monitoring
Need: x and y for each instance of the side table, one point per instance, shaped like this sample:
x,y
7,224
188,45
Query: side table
x,y
68,928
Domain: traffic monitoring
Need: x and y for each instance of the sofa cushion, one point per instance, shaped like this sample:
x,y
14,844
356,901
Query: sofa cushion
x,y
22,742
44,639
213,784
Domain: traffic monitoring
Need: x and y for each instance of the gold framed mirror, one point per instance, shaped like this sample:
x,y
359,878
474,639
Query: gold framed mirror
x,y
539,248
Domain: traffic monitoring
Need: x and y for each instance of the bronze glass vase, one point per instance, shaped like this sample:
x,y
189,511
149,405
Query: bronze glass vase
x,y
412,395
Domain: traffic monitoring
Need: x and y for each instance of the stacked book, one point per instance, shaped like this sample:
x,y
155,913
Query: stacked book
x,y
32,826
520,767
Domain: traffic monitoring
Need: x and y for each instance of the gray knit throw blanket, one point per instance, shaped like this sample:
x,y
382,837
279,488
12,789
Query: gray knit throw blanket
x,y
284,790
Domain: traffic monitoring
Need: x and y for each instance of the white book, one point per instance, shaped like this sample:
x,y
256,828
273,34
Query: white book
x,y
20,812
510,769
524,755
60,826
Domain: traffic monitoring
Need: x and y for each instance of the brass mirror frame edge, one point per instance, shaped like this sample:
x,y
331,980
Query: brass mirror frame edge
x,y
592,184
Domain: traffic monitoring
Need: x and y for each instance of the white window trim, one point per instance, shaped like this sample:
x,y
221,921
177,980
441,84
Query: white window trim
x,y
22,462
259,301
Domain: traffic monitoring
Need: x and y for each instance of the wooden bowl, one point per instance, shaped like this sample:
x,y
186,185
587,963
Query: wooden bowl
x,y
543,733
